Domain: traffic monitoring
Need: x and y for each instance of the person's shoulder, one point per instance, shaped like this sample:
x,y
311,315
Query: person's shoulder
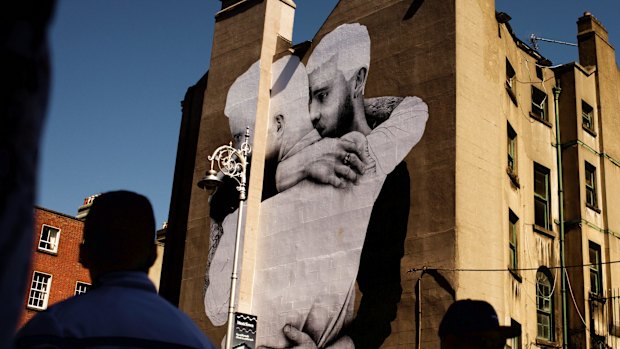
x,y
43,324
182,325
55,319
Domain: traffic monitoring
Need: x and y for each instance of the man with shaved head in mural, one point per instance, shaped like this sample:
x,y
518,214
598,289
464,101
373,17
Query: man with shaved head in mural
x,y
337,73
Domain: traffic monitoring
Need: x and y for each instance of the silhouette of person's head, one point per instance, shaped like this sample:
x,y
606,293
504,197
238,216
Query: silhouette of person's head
x,y
473,324
119,234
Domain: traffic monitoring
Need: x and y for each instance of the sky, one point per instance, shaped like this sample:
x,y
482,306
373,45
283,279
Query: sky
x,y
120,69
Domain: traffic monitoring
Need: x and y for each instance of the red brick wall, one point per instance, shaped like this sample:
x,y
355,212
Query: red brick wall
x,y
63,266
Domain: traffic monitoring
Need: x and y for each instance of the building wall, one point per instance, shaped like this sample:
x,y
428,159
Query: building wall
x,y
595,81
172,261
64,265
454,56
155,271
486,193
413,54
236,45
479,175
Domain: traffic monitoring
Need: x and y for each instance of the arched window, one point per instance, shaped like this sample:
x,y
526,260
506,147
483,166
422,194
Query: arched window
x,y
544,303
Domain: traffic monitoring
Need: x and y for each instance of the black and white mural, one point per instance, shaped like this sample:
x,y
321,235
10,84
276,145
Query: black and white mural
x,y
335,202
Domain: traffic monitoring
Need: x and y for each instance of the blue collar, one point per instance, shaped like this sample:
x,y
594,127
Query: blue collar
x,y
130,279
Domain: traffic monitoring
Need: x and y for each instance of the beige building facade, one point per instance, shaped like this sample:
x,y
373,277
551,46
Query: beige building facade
x,y
486,195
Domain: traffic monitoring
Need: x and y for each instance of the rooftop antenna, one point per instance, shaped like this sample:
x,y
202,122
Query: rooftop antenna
x,y
535,39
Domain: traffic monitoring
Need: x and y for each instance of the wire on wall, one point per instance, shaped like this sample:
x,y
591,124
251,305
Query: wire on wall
x,y
413,270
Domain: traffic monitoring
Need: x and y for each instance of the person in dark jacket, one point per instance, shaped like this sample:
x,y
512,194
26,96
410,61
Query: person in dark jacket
x,y
122,309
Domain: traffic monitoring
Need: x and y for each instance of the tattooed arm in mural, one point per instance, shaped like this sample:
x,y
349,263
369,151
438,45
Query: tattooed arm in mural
x,y
323,162
398,124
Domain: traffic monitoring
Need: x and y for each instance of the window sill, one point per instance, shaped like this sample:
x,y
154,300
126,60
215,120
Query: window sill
x,y
515,274
50,252
597,298
544,343
511,94
514,179
543,231
541,120
593,208
30,307
589,130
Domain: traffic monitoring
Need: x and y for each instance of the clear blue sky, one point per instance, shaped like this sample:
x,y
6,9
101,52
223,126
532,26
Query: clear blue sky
x,y
121,69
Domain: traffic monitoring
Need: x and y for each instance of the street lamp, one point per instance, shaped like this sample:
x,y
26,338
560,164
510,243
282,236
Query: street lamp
x,y
231,162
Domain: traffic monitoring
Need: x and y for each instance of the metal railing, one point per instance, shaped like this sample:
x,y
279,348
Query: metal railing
x,y
604,321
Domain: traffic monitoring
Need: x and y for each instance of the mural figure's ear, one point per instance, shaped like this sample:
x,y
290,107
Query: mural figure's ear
x,y
279,120
360,82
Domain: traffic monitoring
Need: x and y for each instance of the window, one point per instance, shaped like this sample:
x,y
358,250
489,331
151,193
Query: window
x,y
539,73
591,186
542,200
544,304
510,81
587,116
539,104
81,288
49,239
596,272
515,342
512,240
39,290
512,150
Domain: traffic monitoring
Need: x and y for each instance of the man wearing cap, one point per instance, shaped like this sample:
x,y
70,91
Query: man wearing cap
x,y
122,309
473,324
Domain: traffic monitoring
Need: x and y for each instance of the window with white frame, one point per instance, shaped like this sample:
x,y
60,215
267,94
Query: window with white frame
x,y
512,240
587,116
49,238
596,270
544,304
39,290
511,77
591,199
542,197
539,104
512,150
81,288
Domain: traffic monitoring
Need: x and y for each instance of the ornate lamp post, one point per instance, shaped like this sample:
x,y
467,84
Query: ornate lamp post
x,y
231,162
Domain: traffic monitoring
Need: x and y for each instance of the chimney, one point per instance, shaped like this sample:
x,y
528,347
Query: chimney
x,y
590,33
83,210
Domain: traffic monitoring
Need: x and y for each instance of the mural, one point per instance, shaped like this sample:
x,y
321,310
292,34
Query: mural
x,y
335,200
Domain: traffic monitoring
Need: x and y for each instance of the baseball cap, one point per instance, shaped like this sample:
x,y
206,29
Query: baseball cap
x,y
470,317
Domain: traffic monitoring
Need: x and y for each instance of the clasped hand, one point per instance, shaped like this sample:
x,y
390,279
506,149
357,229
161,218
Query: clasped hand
x,y
338,161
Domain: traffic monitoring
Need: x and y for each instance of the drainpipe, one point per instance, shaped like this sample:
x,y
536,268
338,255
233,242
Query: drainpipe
x,y
419,314
556,97
419,319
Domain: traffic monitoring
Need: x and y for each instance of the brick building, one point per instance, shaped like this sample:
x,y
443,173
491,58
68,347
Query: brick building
x,y
55,273
514,184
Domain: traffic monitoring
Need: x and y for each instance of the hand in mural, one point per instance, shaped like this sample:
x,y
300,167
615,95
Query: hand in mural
x,y
333,161
360,143
302,340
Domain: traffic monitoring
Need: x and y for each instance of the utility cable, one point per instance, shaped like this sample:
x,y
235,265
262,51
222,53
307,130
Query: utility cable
x,y
413,270
572,295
